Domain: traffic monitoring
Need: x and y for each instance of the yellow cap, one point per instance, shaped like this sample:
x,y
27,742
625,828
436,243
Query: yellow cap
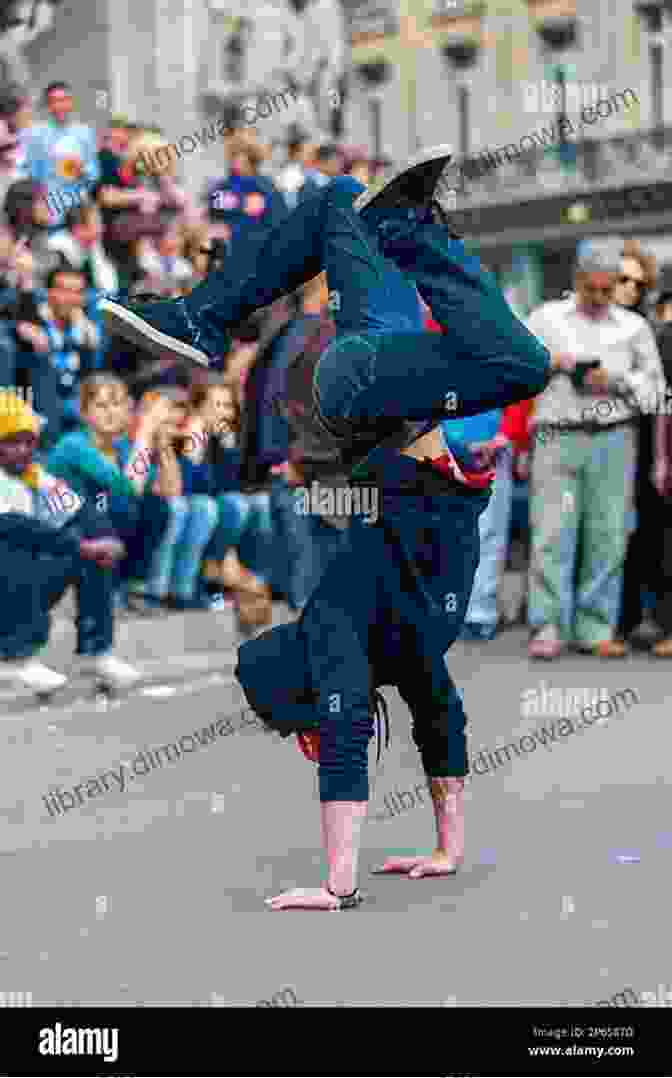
x,y
16,417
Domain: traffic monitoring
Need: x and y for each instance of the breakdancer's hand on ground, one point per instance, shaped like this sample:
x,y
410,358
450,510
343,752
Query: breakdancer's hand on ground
x,y
304,898
434,864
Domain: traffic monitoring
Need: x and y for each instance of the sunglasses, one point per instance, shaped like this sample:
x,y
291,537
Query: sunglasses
x,y
623,279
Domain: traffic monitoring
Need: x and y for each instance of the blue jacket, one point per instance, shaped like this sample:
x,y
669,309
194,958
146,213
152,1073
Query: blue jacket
x,y
237,201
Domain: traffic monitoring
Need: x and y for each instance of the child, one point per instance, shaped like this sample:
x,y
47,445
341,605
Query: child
x,y
45,548
174,573
101,465
244,520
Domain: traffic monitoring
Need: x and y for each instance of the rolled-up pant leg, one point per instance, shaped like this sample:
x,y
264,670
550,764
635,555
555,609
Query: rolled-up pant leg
x,y
448,556
336,624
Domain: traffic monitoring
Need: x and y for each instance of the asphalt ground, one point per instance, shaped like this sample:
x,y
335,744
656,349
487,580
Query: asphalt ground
x,y
154,893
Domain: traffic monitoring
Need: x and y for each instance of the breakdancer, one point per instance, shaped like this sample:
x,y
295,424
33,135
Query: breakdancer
x,y
389,605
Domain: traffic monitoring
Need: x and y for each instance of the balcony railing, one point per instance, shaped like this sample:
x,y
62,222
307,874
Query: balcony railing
x,y
571,167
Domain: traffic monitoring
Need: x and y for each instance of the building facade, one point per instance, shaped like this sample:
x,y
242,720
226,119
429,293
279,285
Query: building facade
x,y
558,110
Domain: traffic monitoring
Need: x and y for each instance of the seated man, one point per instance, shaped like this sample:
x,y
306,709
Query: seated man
x,y
43,549
64,348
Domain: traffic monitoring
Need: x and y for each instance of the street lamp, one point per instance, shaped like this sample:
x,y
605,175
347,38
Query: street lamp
x,y
651,14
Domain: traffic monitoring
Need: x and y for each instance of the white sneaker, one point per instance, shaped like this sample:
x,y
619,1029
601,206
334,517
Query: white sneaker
x,y
32,673
115,673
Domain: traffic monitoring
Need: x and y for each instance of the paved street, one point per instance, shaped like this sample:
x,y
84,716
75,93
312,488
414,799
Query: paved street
x,y
155,894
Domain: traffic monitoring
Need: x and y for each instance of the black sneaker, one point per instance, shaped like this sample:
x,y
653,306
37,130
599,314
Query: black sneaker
x,y
164,328
418,182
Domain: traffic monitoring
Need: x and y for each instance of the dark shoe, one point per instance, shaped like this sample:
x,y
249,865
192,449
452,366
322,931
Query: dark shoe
x,y
198,602
164,328
646,635
605,649
417,182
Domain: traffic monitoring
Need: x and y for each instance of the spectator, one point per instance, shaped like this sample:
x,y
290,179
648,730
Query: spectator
x,y
79,243
129,203
61,154
44,550
606,366
292,177
16,117
641,572
167,272
327,163
104,468
662,610
356,162
157,160
199,249
27,216
280,444
61,346
246,201
174,574
238,555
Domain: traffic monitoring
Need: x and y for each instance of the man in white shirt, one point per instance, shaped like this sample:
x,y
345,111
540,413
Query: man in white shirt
x,y
608,370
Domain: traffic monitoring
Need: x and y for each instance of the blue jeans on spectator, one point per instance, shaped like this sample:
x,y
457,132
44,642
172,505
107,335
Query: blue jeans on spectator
x,y
293,551
493,526
175,565
32,584
303,546
141,524
244,524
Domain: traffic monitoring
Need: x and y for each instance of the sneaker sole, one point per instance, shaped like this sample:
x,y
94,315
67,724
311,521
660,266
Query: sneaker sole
x,y
121,322
416,164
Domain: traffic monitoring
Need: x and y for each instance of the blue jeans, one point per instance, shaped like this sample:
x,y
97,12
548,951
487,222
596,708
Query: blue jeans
x,y
141,523
33,582
493,526
176,563
243,524
381,364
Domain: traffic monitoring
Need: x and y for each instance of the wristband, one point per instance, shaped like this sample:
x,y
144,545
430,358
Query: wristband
x,y
347,902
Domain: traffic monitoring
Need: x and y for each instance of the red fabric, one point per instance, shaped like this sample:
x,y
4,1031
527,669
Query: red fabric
x,y
516,424
447,465
310,746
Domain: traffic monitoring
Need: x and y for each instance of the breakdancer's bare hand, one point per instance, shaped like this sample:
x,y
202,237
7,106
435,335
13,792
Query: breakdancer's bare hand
x,y
434,864
304,898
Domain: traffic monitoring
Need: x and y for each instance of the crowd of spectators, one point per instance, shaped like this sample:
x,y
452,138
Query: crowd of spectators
x,y
143,465
192,507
